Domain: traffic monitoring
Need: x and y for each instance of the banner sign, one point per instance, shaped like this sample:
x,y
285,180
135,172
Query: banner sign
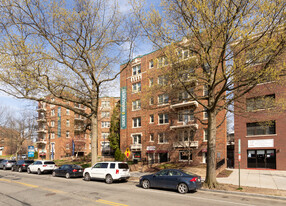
x,y
59,121
123,108
31,151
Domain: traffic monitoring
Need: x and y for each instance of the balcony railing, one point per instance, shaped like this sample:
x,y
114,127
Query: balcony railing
x,y
41,119
184,104
78,119
42,130
186,144
41,109
184,125
136,146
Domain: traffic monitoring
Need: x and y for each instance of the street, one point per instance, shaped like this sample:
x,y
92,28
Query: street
x,y
30,189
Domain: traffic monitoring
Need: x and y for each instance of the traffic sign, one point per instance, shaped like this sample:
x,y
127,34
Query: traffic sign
x,y
127,152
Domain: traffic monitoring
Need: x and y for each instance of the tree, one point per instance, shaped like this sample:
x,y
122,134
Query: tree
x,y
223,40
114,131
18,130
69,50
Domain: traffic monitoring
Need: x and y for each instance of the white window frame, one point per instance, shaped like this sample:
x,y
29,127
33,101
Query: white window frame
x,y
67,134
165,141
52,123
53,135
67,111
105,114
180,153
151,137
162,80
151,82
205,138
53,112
137,140
136,122
151,117
105,104
163,118
68,123
164,98
104,135
151,64
151,101
136,87
136,105
136,70
205,91
105,124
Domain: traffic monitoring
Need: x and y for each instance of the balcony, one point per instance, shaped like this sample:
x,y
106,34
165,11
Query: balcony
x,y
186,144
41,109
41,141
184,104
41,119
136,78
78,119
184,125
42,130
136,146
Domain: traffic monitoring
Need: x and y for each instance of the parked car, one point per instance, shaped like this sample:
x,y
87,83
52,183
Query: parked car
x,y
108,171
68,171
7,164
41,166
21,165
172,179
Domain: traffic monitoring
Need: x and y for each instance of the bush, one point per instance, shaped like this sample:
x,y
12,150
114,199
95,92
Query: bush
x,y
119,156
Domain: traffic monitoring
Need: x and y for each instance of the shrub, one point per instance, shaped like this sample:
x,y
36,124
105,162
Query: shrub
x,y
119,156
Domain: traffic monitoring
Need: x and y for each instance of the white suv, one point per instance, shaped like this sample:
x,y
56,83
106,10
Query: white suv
x,y
41,166
107,171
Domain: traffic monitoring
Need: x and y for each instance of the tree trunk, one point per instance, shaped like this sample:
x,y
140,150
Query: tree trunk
x,y
211,153
94,135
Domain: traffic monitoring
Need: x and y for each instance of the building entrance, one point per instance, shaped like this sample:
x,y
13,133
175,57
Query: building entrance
x,y
261,159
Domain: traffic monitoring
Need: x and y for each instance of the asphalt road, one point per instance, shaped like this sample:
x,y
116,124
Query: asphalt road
x,y
22,189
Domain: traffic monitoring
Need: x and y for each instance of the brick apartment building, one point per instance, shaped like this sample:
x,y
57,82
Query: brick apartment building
x,y
60,130
168,128
261,128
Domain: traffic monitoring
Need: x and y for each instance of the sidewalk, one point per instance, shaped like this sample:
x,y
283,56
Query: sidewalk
x,y
272,179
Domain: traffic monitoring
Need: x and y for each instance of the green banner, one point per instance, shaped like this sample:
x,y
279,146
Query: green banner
x,y
123,108
59,121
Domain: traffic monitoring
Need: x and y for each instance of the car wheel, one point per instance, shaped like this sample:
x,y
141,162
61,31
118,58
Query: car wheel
x,y
4,168
108,179
29,171
146,184
86,177
39,172
68,175
12,169
182,188
20,169
54,174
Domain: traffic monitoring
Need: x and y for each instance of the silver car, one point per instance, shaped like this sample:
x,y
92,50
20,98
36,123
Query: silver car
x,y
7,164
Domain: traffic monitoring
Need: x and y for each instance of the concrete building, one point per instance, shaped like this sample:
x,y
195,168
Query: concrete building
x,y
61,131
162,127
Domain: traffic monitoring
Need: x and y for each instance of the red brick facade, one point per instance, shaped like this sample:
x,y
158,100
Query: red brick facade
x,y
265,148
152,147
60,127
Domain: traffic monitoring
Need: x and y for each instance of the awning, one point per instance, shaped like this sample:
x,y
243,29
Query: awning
x,y
162,151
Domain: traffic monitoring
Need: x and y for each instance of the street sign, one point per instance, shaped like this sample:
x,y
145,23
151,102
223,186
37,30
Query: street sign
x,y
239,157
127,152
31,151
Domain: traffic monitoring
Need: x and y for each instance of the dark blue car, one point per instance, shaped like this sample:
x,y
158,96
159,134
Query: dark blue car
x,y
172,179
68,171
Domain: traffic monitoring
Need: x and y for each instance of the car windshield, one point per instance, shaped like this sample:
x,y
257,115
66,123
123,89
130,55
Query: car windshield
x,y
29,161
49,163
123,166
11,161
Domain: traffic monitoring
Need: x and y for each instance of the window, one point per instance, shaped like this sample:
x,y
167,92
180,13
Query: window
x,y
205,114
162,61
136,70
68,123
256,56
52,112
105,124
163,119
52,123
205,92
151,101
136,87
67,111
162,139
183,54
52,135
136,138
67,134
136,105
112,166
263,102
261,128
163,99
105,114
89,146
151,64
104,135
186,116
151,137
186,136
105,104
136,122
151,82
184,155
67,146
184,96
205,135
152,118
162,80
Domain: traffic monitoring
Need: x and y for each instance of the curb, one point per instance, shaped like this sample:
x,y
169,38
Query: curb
x,y
245,193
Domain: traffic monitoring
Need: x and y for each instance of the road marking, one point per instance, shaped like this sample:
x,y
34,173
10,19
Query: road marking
x,y
106,202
